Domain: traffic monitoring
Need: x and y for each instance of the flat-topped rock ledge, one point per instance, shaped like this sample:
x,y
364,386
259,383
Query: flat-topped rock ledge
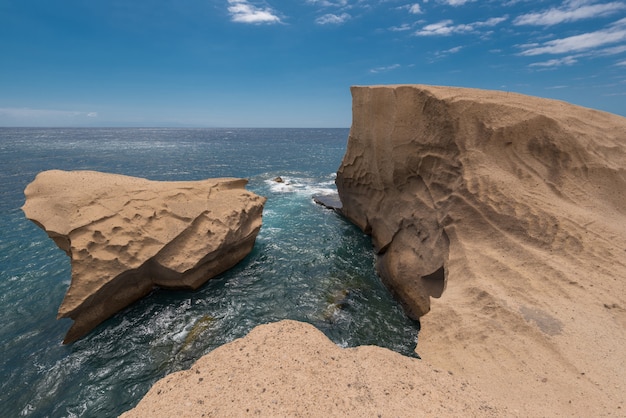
x,y
290,369
507,214
126,235
331,202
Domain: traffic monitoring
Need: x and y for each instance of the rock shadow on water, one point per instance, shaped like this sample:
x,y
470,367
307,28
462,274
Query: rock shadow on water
x,y
355,308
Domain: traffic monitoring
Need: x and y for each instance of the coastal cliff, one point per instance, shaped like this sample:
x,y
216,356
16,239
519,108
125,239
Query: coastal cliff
x,y
127,235
509,212
504,216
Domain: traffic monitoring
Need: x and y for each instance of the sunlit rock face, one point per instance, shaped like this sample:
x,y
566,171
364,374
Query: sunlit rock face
x,y
431,172
127,235
291,369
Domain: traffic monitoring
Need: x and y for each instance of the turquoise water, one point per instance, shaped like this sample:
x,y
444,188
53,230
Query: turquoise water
x,y
308,264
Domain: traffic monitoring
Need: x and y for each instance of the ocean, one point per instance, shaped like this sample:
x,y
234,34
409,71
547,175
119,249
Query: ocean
x,y
308,264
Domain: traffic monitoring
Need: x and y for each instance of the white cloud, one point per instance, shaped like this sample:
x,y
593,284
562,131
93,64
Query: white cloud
x,y
441,28
621,63
446,27
242,11
415,9
452,50
570,12
492,21
456,2
401,28
442,54
615,33
555,62
612,50
326,3
384,69
92,114
332,19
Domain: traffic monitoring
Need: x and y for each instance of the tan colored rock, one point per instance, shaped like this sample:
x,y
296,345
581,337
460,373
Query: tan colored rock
x,y
512,210
126,235
290,369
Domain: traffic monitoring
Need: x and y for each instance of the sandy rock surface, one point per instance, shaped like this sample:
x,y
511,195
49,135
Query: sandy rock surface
x,y
290,369
505,217
126,235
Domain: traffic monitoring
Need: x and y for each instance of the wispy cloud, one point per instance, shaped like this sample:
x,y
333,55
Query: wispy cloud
x,y
447,27
327,3
242,11
414,9
332,19
455,2
621,63
449,51
402,28
616,32
570,11
437,55
384,69
614,50
557,62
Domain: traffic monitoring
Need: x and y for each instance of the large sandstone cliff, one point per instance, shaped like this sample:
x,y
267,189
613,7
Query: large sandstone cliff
x,y
126,235
509,211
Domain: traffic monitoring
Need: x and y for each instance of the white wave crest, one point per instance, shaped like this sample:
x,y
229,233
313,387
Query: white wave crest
x,y
301,185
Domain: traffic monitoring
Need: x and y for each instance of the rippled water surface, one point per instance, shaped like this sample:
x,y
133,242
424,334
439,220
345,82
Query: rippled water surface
x,y
308,264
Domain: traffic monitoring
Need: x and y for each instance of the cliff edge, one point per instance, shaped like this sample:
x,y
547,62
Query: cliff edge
x,y
504,216
291,369
126,235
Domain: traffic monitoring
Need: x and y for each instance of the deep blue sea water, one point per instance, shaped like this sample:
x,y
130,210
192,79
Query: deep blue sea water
x,y
308,264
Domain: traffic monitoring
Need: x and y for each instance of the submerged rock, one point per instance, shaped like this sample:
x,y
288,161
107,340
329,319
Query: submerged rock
x,y
126,235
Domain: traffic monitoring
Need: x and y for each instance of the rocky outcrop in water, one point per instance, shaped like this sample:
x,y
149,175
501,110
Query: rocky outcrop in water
x,y
126,235
507,213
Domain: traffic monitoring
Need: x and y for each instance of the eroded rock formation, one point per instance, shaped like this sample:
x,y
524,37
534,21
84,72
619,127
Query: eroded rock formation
x,y
516,206
126,235
290,369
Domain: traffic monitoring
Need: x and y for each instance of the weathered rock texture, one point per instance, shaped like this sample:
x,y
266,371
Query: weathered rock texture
x,y
290,369
126,235
512,210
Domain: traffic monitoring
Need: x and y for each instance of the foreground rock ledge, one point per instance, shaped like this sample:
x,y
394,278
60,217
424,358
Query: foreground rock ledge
x,y
290,369
509,211
126,235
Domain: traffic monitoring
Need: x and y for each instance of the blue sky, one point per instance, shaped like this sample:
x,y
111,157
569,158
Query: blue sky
x,y
290,63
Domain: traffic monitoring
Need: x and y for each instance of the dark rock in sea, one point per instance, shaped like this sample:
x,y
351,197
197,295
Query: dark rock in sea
x,y
331,201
